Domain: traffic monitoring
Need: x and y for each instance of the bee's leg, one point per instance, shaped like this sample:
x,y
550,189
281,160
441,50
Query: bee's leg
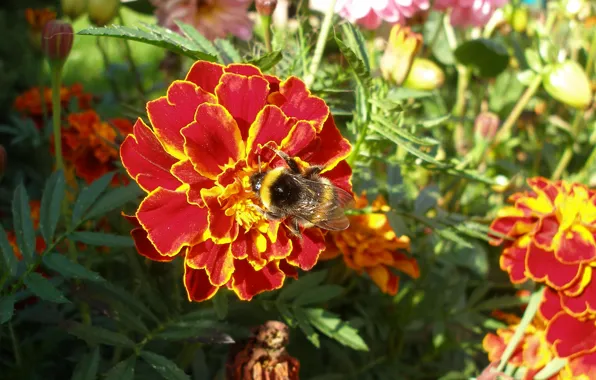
x,y
292,164
294,227
313,171
269,215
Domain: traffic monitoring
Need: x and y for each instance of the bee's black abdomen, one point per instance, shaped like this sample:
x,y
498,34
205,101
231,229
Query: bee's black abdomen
x,y
285,191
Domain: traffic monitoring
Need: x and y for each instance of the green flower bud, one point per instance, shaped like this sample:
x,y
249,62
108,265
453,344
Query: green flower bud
x,y
568,83
74,8
424,75
101,12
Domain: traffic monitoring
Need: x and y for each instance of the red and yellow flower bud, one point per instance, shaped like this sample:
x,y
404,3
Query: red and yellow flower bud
x,y
266,7
37,19
486,126
56,40
101,12
424,75
401,49
568,83
74,8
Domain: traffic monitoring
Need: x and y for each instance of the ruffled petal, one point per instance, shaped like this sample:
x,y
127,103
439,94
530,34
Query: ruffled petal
x,y
319,151
305,252
216,259
570,336
247,283
385,280
542,266
271,125
222,228
197,285
205,74
186,173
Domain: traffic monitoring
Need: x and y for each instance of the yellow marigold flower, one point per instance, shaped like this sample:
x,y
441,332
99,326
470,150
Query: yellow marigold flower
x,y
370,245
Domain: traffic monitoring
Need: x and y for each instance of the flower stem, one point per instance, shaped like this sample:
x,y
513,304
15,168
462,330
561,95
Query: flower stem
x,y
517,110
266,20
15,345
56,108
321,42
527,318
568,152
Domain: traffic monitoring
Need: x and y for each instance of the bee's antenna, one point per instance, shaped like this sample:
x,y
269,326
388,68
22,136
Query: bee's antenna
x,y
259,160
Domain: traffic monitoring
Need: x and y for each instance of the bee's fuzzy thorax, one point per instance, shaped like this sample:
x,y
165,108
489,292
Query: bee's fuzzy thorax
x,y
266,182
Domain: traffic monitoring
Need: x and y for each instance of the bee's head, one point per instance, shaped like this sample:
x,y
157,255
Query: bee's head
x,y
256,181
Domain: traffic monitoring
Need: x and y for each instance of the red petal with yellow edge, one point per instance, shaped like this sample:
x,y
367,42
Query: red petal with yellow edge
x,y
243,69
301,135
584,365
548,187
385,280
550,304
270,125
406,264
511,226
305,252
546,231
576,246
222,228
247,283
570,336
581,304
340,176
243,97
288,270
216,259
169,114
186,173
295,100
146,161
197,285
273,82
328,148
205,75
170,221
145,247
213,140
244,248
513,261
542,266
281,248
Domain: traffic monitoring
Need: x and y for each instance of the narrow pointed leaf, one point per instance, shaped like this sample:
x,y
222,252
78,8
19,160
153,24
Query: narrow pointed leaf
x,y
267,61
89,195
23,224
99,335
86,369
164,366
69,269
114,199
332,326
51,202
125,370
194,35
102,239
43,288
10,261
6,308
297,287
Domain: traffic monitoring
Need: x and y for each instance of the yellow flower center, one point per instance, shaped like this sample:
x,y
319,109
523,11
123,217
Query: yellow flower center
x,y
241,202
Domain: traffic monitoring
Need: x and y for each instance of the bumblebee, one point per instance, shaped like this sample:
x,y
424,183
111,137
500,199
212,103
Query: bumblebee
x,y
302,197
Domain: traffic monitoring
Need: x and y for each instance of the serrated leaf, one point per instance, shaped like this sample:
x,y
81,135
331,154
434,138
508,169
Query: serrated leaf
x,y
125,370
164,366
43,288
193,34
6,308
228,51
61,264
99,335
220,304
434,122
295,288
153,35
332,326
86,369
306,327
114,199
357,65
51,202
89,195
267,61
102,239
488,57
23,224
318,295
424,141
10,261
354,39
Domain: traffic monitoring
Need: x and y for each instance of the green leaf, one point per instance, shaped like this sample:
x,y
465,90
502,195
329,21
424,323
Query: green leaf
x,y
220,304
125,370
102,239
354,40
533,59
402,93
401,132
357,65
306,327
23,224
267,61
488,57
43,288
114,199
193,34
318,295
86,369
165,367
332,326
296,288
89,195
98,335
505,302
186,330
434,122
51,202
10,261
6,308
61,264
153,35
228,51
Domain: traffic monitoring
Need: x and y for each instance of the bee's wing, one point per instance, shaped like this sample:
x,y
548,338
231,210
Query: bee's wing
x,y
327,214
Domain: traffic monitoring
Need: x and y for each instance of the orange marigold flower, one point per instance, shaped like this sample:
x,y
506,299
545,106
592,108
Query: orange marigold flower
x,y
370,245
91,145
37,18
195,163
552,227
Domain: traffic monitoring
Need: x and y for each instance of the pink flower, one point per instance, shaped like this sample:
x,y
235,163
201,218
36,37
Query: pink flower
x,y
371,13
212,18
469,12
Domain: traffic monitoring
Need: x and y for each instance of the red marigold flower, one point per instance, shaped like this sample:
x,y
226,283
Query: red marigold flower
x,y
91,145
370,245
195,162
551,227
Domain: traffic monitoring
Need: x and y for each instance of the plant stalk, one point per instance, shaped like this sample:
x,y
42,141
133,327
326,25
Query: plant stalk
x,y
266,20
321,42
